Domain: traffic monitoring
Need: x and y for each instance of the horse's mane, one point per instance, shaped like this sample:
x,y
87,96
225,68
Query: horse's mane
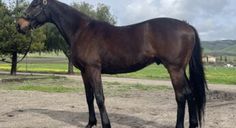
x,y
72,11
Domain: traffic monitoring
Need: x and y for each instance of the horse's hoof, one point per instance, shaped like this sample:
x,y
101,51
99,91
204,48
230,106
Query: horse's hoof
x,y
193,124
179,126
91,124
107,126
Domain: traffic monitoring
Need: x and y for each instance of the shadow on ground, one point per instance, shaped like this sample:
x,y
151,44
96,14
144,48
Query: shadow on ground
x,y
81,118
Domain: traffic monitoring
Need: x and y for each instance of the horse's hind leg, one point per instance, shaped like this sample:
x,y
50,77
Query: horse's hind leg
x,y
193,121
180,83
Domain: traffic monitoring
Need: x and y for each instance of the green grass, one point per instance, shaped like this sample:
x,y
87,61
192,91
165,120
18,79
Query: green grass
x,y
55,84
3,76
141,87
216,75
49,63
51,84
49,89
151,72
123,87
44,67
221,75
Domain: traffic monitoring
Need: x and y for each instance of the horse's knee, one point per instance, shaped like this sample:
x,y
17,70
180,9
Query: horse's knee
x,y
180,96
100,101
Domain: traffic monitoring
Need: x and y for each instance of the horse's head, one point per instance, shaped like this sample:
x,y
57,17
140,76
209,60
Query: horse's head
x,y
34,16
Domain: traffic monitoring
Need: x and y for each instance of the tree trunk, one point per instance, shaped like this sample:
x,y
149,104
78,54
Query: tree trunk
x,y
70,65
14,63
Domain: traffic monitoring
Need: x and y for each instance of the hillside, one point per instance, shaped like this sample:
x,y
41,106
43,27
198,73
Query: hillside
x,y
220,47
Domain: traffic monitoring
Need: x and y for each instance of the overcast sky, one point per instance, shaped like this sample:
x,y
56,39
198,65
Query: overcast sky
x,y
214,19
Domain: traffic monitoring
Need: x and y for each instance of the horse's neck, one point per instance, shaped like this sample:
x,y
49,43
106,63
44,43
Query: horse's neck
x,y
68,20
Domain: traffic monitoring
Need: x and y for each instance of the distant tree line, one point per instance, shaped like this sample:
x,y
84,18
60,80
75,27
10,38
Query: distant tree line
x,y
46,39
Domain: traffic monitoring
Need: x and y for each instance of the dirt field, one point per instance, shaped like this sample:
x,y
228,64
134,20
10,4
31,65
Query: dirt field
x,y
21,109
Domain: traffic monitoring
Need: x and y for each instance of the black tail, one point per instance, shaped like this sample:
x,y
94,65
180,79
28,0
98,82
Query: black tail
x,y
197,78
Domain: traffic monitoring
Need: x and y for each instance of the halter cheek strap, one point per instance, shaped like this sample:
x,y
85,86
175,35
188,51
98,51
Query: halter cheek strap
x,y
45,2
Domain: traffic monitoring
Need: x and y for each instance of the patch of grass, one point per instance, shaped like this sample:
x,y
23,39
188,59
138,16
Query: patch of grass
x,y
216,75
49,89
151,72
111,83
141,87
51,84
122,87
43,67
221,75
55,84
58,64
12,78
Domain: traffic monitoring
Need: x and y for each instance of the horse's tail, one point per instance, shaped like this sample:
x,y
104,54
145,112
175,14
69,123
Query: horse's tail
x,y
197,78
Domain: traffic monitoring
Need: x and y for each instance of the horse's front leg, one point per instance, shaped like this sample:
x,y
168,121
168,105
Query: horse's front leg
x,y
93,78
90,100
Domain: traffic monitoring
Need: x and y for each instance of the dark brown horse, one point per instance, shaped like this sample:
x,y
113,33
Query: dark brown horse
x,y
98,47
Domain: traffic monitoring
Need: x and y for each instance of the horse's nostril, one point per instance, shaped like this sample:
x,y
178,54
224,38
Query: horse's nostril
x,y
17,26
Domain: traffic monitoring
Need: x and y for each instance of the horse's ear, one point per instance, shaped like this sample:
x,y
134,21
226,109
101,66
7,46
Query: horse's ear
x,y
45,2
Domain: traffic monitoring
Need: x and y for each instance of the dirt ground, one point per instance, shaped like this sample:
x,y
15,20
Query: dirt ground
x,y
26,109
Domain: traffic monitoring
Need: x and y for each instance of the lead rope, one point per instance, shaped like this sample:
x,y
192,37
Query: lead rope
x,y
28,49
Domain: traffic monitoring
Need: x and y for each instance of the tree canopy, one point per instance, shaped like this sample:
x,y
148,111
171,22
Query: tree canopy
x,y
13,43
48,38
101,12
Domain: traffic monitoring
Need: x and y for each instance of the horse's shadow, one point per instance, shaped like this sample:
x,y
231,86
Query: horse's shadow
x,y
81,118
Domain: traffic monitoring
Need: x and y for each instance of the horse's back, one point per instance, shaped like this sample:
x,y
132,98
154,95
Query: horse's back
x,y
165,40
130,48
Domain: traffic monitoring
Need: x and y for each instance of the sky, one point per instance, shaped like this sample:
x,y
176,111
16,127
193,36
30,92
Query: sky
x,y
214,19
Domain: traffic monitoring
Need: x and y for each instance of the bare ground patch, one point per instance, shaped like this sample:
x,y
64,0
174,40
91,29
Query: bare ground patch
x,y
130,105
132,109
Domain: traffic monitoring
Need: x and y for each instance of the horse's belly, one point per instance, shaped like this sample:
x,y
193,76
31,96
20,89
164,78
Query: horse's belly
x,y
125,67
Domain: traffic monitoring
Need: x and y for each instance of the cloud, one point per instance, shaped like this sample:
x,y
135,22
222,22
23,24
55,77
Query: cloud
x,y
139,10
214,19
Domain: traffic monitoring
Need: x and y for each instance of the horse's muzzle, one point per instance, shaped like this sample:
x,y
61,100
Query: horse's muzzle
x,y
23,25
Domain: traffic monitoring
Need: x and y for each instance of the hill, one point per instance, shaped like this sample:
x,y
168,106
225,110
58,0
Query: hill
x,y
220,47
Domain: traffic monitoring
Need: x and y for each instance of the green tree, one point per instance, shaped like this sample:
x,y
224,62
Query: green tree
x,y
13,44
101,12
55,41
